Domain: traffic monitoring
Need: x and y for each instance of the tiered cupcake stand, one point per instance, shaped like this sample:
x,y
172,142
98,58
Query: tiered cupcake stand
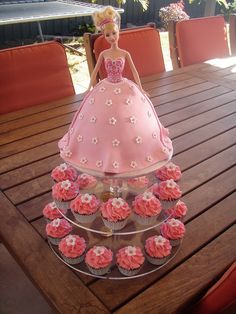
x,y
133,234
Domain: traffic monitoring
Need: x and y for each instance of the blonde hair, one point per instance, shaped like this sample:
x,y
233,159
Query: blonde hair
x,y
106,19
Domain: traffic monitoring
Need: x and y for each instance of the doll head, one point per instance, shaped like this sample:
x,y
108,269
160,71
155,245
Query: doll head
x,y
107,20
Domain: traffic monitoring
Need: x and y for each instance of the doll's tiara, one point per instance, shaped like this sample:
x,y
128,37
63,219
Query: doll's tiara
x,y
106,21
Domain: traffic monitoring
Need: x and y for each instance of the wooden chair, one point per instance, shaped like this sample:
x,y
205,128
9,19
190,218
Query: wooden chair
x,y
197,40
33,74
143,43
232,33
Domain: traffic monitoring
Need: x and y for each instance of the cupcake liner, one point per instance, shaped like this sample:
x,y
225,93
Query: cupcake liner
x,y
156,260
54,241
128,272
145,220
115,225
100,271
175,242
63,204
168,204
73,261
84,218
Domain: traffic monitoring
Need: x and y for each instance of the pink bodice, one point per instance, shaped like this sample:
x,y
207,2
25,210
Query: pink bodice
x,y
114,69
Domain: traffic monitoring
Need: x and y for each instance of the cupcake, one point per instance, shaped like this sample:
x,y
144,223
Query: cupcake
x,y
138,183
85,207
174,230
146,208
168,192
64,172
129,260
86,182
179,210
115,213
169,171
157,249
72,249
98,260
51,212
57,229
64,192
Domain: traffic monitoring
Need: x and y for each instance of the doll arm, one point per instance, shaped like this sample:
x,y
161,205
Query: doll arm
x,y
95,71
134,71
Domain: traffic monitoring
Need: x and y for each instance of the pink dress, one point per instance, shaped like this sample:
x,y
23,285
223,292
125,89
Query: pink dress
x,y
116,129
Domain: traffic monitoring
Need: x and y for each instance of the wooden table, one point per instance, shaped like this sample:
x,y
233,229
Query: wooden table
x,y
198,104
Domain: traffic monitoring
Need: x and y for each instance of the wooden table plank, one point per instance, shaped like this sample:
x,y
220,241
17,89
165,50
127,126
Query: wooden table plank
x,y
193,241
58,283
177,287
192,99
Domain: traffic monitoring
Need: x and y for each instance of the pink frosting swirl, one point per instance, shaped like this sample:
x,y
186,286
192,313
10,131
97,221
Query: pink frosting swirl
x,y
146,205
178,211
72,246
173,229
169,171
158,246
85,204
58,228
64,172
130,257
51,211
65,190
139,182
167,190
84,181
99,257
115,209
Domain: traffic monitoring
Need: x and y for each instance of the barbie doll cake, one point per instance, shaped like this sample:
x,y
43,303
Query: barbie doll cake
x,y
116,129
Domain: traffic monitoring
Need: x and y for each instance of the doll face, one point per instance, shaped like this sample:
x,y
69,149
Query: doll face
x,y
111,35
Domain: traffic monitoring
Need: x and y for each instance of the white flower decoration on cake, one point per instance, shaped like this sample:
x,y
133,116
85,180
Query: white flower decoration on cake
x,y
91,101
171,184
173,222
83,160
80,138
165,150
133,164
115,143
108,102
147,196
133,119
130,250
71,130
154,135
117,202
65,185
159,240
138,140
56,222
53,205
143,99
93,119
149,158
112,121
98,163
102,89
128,101
115,164
95,140
63,167
86,198
99,250
117,91
67,152
81,116
149,114
70,240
